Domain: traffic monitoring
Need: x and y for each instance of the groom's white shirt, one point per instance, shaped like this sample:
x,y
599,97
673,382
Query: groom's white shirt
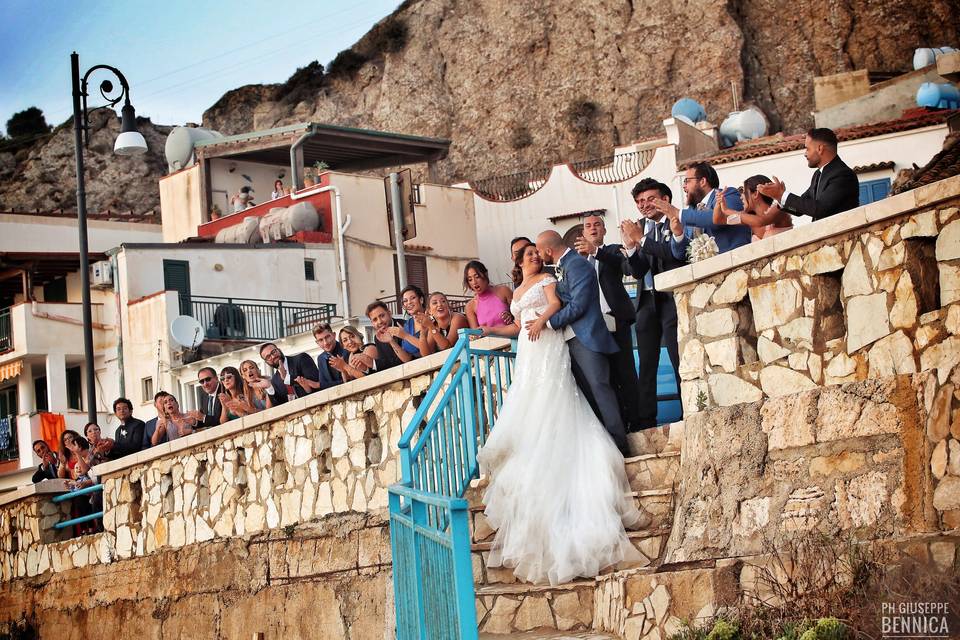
x,y
568,332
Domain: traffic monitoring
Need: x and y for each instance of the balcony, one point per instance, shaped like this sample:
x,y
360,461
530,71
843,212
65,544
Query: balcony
x,y
251,319
39,328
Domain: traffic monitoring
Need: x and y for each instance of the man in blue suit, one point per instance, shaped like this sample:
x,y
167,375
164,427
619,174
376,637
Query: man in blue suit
x,y
701,184
589,341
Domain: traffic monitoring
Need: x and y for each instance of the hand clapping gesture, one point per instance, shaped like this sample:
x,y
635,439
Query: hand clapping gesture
x,y
631,232
774,189
583,246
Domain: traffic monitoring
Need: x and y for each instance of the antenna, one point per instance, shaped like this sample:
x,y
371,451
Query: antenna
x,y
733,90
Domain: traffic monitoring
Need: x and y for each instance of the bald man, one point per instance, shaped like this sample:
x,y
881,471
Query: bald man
x,y
587,335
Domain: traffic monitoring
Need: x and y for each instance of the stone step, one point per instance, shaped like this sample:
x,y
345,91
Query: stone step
x,y
522,607
650,544
660,439
656,502
644,471
653,470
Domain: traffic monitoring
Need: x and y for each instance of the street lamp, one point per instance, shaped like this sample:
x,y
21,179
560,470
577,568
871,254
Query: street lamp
x,y
129,142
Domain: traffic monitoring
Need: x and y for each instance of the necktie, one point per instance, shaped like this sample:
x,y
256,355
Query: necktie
x,y
816,184
210,403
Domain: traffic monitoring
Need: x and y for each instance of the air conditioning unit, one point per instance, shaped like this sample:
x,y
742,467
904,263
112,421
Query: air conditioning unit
x,y
101,275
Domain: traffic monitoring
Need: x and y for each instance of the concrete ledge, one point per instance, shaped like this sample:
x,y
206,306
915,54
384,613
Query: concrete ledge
x,y
412,369
893,206
45,487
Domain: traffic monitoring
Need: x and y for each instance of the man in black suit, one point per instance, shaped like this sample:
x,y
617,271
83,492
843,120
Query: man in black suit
x,y
833,188
128,437
48,462
329,375
211,404
647,245
618,312
289,373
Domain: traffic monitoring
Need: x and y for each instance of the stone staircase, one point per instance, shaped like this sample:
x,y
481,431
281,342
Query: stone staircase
x,y
508,608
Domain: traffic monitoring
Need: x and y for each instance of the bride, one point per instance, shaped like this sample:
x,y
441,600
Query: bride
x,y
558,494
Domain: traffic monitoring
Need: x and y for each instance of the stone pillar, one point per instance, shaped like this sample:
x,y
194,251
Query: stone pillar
x,y
26,404
57,382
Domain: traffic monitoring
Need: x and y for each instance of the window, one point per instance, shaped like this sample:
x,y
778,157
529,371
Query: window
x,y
55,291
416,273
74,389
176,277
146,390
309,269
416,194
40,393
873,190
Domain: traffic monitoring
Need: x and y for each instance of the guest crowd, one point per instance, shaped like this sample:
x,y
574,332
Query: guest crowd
x,y
657,242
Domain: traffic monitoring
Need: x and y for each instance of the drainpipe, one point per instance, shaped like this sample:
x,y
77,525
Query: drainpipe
x,y
116,296
296,158
342,226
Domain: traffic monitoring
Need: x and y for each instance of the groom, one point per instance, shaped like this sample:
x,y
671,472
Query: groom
x,y
586,333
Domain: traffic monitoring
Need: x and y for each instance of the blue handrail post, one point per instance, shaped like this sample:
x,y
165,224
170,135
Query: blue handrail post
x,y
418,512
463,570
471,411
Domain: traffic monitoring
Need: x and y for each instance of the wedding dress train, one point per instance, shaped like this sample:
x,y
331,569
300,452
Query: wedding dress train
x,y
558,494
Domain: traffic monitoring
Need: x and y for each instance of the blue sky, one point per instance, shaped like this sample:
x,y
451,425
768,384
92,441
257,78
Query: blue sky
x,y
179,56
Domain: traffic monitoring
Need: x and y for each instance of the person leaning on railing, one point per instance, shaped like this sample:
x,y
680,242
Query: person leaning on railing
x,y
172,424
759,213
361,357
101,446
233,403
49,462
442,324
390,351
76,459
330,375
255,385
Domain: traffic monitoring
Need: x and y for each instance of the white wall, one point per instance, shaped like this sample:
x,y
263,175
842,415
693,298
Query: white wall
x,y
564,193
224,183
41,234
273,272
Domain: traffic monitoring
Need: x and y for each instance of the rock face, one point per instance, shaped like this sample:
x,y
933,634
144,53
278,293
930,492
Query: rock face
x,y
43,177
527,83
574,80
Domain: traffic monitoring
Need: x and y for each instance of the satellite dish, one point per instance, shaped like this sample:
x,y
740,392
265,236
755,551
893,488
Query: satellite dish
x,y
187,332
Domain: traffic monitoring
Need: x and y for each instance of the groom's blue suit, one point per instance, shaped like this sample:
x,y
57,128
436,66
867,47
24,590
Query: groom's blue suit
x,y
578,289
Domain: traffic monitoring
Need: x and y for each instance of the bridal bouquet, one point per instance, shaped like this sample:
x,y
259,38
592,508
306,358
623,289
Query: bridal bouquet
x,y
701,248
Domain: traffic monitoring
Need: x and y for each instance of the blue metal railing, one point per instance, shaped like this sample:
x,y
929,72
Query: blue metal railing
x,y
429,532
76,494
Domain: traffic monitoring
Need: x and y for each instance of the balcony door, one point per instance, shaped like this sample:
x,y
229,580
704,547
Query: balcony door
x,y
176,277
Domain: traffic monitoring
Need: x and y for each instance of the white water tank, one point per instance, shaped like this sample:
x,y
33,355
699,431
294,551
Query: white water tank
x,y
246,231
179,147
743,125
926,56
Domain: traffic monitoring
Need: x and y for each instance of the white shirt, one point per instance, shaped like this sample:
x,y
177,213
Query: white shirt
x,y
604,305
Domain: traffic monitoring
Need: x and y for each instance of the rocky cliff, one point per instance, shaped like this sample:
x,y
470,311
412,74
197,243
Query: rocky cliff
x,y
527,82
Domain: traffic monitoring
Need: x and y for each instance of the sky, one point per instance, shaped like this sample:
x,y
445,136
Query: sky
x,y
178,56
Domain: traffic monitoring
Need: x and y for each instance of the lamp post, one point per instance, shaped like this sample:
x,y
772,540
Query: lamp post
x,y
129,142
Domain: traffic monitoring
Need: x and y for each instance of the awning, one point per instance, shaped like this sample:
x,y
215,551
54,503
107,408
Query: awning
x,y
10,370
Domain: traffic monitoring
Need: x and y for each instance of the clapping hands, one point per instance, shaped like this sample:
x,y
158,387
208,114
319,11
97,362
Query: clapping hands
x,y
774,189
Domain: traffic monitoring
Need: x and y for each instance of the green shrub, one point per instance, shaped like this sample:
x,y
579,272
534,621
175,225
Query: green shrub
x,y
723,630
827,629
390,36
346,65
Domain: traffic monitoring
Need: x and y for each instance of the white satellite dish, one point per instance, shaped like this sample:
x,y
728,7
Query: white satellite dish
x,y
187,332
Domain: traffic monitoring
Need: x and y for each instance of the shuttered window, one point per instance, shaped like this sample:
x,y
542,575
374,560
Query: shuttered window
x,y
176,277
416,273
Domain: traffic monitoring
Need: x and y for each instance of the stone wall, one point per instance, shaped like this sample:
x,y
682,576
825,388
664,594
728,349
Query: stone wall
x,y
848,461
869,293
326,579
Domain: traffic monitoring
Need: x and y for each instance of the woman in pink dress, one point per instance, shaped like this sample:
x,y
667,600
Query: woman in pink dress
x,y
490,306
760,213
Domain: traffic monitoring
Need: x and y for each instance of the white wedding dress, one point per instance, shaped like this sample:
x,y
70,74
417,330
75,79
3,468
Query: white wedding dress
x,y
558,494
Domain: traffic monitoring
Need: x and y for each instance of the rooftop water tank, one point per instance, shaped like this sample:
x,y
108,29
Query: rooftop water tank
x,y
927,56
938,95
688,110
179,146
743,125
